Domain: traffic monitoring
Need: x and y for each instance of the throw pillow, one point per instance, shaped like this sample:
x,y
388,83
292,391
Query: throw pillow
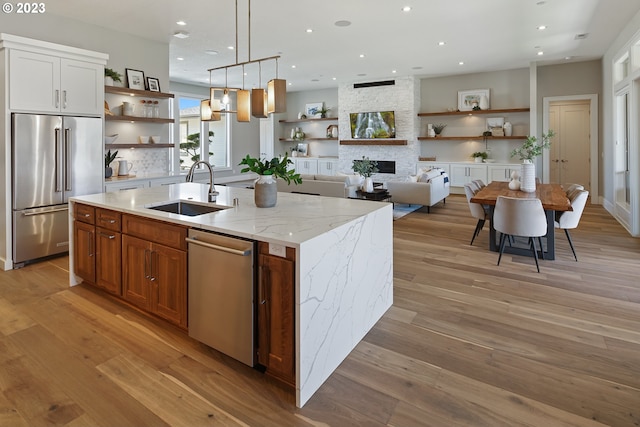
x,y
413,178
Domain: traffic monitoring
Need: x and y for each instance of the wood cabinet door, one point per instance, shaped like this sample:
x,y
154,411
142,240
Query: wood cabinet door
x,y
82,87
109,260
169,284
34,82
84,251
136,271
276,326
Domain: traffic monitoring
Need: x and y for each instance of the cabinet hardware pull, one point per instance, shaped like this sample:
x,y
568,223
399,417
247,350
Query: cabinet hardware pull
x,y
90,239
57,98
153,276
110,221
146,267
220,248
45,212
56,164
64,99
109,236
67,156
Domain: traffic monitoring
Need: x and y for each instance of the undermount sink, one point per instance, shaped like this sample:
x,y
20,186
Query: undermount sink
x,y
187,208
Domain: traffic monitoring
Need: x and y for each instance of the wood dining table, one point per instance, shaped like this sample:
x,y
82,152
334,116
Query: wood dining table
x,y
553,198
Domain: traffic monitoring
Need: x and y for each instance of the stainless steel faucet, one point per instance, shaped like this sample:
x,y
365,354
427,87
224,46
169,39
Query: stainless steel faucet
x,y
212,190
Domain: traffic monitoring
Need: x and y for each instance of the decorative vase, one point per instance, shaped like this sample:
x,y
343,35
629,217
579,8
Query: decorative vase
x,y
528,176
265,192
514,185
108,172
367,186
293,133
108,81
508,129
484,102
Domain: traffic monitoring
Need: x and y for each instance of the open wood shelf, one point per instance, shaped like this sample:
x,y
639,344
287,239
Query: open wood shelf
x,y
138,119
308,120
474,112
136,92
467,138
379,141
135,145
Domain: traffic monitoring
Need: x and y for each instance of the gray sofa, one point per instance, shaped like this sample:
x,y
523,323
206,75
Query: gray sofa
x,y
321,185
420,193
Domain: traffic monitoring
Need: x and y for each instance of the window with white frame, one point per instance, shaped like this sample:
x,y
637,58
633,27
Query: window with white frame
x,y
214,148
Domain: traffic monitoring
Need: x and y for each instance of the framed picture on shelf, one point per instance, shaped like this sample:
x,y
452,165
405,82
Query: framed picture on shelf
x,y
135,79
153,84
303,149
313,109
468,99
495,122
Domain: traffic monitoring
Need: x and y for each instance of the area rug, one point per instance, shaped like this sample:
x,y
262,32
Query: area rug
x,y
400,210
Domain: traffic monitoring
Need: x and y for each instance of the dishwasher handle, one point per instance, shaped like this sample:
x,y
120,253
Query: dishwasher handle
x,y
218,247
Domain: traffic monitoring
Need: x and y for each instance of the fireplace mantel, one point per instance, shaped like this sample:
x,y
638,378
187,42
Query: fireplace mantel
x,y
377,141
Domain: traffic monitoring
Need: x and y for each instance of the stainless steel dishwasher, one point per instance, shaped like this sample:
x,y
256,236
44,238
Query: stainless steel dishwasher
x,y
221,287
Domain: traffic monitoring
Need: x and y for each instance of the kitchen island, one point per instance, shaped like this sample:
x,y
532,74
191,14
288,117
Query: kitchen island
x,y
343,260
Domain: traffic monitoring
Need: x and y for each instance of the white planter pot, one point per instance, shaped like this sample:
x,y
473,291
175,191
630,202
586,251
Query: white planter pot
x,y
266,192
368,185
108,81
527,177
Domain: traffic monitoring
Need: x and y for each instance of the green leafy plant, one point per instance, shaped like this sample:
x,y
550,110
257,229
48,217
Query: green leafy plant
x,y
323,112
116,76
531,148
109,157
191,147
438,128
482,154
365,167
276,167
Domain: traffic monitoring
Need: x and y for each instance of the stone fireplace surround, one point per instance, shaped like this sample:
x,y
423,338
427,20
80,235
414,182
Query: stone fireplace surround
x,y
404,99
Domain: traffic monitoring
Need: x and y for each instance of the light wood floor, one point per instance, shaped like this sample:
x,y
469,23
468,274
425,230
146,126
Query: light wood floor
x,y
466,343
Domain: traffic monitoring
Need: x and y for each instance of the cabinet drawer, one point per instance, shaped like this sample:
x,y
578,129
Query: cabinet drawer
x,y
111,220
85,213
155,231
290,253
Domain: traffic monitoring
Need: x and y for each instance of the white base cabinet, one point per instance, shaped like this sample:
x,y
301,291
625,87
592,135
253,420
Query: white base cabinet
x,y
327,166
502,172
461,173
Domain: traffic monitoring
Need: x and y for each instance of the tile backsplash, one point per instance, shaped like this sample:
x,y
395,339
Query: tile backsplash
x,y
146,161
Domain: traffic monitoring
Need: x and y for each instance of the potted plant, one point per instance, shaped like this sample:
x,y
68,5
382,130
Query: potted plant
x,y
266,190
438,128
480,156
323,112
365,168
108,158
111,76
531,149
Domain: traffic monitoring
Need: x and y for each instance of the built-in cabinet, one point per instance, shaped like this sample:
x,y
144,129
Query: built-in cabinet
x,y
461,173
97,253
154,273
121,184
314,166
276,313
51,84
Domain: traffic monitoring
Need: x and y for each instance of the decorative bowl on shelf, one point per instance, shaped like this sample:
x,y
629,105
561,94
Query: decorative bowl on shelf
x,y
155,139
109,139
143,139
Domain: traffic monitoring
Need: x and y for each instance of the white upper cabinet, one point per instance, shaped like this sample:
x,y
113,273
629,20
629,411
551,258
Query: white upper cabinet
x,y
47,83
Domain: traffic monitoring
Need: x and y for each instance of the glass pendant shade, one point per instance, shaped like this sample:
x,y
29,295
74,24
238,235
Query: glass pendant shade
x,y
259,103
205,110
277,96
243,99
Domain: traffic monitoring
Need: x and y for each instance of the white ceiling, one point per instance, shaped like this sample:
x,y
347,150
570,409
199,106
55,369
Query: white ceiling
x,y
485,34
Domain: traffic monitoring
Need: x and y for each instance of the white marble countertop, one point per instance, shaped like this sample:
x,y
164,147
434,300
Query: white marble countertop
x,y
295,219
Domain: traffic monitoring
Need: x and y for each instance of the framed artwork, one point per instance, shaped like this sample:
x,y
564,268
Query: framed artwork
x,y
153,84
467,99
135,79
313,109
303,149
495,122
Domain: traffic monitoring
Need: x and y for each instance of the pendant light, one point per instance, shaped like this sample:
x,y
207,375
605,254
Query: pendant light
x,y
277,94
225,97
259,98
243,101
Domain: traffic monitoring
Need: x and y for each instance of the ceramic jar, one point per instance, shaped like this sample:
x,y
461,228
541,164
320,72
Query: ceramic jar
x,y
265,191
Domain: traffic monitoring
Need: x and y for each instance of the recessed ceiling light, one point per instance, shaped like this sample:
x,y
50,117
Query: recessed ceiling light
x,y
309,30
461,63
541,27
211,52
181,23
290,83
581,36
393,71
406,9
181,34
179,58
568,58
342,23
230,47
540,53
362,55
293,66
441,43
333,78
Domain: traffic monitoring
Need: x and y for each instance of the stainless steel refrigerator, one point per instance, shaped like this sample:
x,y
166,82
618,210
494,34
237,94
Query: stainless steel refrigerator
x,y
54,158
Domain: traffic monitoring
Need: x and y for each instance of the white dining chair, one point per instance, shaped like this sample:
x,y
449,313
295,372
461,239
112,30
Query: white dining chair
x,y
479,183
570,219
477,211
520,217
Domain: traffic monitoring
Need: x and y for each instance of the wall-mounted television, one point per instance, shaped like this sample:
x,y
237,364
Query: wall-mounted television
x,y
377,124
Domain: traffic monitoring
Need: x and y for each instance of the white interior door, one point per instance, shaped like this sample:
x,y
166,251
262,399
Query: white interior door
x,y
569,160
